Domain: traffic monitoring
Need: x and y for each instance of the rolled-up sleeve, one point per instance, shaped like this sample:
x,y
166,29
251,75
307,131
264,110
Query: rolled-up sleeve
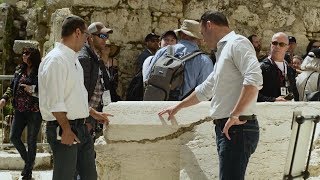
x,y
54,75
204,90
247,63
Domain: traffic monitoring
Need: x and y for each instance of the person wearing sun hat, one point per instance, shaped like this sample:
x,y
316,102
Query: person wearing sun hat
x,y
198,68
107,55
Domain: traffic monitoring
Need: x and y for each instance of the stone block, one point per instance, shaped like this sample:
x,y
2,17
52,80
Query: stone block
x,y
97,3
311,19
166,5
140,144
15,162
20,44
138,4
22,6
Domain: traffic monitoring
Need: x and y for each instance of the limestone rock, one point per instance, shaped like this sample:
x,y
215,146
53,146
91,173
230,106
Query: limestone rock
x,y
96,3
166,23
311,19
277,18
22,6
138,4
166,5
244,16
20,44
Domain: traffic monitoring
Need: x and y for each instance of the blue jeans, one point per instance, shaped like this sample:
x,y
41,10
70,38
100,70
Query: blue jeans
x,y
33,122
69,159
234,154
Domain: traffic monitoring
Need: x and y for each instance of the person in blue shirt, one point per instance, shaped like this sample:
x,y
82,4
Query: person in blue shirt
x,y
197,69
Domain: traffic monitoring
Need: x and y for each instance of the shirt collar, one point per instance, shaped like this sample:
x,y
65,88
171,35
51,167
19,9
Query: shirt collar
x,y
189,43
226,38
67,51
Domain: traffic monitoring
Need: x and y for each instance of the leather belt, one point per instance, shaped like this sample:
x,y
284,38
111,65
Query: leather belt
x,y
71,122
241,118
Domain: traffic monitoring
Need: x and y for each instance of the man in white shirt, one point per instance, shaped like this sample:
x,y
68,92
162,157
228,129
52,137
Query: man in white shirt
x,y
63,103
233,86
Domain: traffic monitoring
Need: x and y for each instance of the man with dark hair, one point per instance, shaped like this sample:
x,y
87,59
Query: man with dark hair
x,y
152,45
237,72
63,102
256,42
96,79
197,69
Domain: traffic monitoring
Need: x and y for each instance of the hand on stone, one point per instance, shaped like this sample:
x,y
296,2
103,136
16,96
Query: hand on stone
x,y
280,99
2,103
170,110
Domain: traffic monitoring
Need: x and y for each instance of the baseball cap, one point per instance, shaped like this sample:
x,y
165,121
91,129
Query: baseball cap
x,y
151,36
167,33
98,27
292,39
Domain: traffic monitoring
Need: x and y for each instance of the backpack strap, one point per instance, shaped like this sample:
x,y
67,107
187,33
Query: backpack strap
x,y
318,86
304,89
191,55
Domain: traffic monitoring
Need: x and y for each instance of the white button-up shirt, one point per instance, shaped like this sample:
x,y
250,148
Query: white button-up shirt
x,y
236,66
61,85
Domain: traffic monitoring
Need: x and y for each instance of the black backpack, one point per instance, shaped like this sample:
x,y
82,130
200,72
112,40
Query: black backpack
x,y
135,89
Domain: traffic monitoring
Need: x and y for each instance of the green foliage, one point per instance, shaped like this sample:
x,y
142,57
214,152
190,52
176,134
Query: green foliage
x,y
8,109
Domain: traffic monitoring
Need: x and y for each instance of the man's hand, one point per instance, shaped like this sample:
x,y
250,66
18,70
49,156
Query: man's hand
x,y
231,121
68,137
280,99
170,110
2,103
101,117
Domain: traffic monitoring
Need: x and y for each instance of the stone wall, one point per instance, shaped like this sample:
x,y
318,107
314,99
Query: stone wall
x,y
133,19
139,144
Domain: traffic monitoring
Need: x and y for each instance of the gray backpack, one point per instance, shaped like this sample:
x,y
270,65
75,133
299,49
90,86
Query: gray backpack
x,y
166,78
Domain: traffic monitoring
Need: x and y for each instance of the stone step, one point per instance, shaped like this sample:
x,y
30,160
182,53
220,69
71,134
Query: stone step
x,y
15,175
13,161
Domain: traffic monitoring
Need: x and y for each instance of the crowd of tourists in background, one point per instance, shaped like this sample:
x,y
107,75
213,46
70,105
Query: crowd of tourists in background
x,y
79,76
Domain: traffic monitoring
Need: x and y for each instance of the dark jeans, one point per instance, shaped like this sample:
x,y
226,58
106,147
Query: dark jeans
x,y
69,159
33,122
234,154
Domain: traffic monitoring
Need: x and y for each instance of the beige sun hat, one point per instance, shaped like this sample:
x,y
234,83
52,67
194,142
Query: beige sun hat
x,y
114,49
190,28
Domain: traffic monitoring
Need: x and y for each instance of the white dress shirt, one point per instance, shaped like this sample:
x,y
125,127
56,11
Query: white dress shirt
x,y
236,66
61,85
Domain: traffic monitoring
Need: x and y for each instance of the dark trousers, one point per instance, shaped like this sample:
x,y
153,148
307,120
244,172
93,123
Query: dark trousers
x,y
234,154
69,159
33,122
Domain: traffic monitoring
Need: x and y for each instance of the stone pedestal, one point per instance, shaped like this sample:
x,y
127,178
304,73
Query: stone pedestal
x,y
141,145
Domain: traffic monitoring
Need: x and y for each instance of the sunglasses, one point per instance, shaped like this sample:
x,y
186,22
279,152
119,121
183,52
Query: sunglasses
x,y
26,53
281,44
102,36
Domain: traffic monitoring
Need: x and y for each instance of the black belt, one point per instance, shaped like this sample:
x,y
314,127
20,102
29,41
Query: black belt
x,y
71,122
241,118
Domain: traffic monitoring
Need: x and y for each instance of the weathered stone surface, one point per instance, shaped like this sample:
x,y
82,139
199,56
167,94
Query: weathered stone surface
x,y
166,5
138,4
131,24
184,148
96,3
311,19
166,23
22,6
20,44
55,29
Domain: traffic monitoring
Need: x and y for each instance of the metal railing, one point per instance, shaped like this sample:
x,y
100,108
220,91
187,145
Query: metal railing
x,y
6,121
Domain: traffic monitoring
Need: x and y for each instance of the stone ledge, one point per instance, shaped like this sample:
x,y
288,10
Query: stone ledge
x,y
14,161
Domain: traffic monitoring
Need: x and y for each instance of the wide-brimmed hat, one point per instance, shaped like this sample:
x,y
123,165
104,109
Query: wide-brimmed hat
x,y
114,49
190,28
99,27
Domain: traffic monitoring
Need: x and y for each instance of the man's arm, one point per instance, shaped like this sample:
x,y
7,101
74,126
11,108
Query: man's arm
x,y
189,101
67,136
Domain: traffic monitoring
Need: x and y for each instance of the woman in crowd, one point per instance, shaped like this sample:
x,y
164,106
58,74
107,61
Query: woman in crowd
x,y
24,90
313,44
296,63
111,64
308,80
